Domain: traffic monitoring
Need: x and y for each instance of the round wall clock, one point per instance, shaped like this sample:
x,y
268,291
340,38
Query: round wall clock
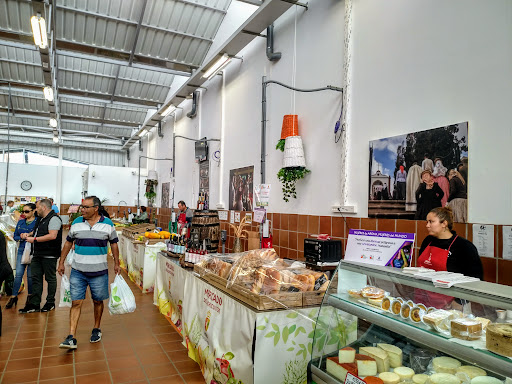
x,y
26,185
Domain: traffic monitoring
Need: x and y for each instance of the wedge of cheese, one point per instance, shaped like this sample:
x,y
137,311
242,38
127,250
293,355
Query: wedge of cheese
x,y
389,377
366,365
338,370
404,373
420,378
347,355
380,356
445,364
394,354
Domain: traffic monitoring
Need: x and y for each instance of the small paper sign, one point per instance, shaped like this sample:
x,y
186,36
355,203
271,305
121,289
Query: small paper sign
x,y
351,379
259,215
232,217
262,194
223,215
237,217
248,216
483,239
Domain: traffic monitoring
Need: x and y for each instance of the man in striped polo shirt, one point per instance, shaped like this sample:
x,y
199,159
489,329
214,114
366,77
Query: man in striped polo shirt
x,y
91,235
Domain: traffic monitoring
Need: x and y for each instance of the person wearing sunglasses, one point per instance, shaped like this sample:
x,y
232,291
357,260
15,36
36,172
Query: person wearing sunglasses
x,y
25,225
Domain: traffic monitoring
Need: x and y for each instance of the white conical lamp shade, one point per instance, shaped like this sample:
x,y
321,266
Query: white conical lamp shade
x,y
293,152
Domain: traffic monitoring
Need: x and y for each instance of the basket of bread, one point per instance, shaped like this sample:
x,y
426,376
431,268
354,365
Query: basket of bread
x,y
263,280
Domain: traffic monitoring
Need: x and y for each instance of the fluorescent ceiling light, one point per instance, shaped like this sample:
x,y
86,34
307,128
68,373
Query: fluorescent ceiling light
x,y
55,139
217,67
39,31
53,123
169,110
143,133
48,93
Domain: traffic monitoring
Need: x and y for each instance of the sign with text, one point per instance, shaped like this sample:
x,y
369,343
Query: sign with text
x,y
393,249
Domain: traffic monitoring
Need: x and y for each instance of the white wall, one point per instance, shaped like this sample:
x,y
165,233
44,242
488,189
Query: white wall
x,y
414,66
44,181
418,65
115,184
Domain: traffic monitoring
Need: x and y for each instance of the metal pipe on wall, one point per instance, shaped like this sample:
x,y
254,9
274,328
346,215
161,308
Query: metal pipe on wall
x,y
264,84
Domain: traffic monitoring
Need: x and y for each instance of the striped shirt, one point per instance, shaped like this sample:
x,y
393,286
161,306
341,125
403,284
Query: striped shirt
x,y
91,244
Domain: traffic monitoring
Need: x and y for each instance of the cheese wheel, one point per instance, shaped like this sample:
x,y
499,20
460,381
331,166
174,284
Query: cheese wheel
x,y
373,380
499,339
485,380
444,378
420,378
404,373
346,355
340,370
389,377
446,364
394,354
471,371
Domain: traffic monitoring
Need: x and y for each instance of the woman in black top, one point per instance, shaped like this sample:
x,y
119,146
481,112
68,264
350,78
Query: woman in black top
x,y
428,195
5,268
444,250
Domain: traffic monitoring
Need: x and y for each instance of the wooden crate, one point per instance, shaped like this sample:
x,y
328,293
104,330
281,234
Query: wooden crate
x,y
316,297
260,302
137,230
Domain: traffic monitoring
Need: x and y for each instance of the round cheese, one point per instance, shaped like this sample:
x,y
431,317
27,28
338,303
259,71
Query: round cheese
x,y
485,380
420,378
444,378
471,371
446,364
389,378
404,373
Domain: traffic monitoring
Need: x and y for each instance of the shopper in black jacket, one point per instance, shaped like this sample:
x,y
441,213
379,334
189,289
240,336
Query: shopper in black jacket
x,y
444,250
5,268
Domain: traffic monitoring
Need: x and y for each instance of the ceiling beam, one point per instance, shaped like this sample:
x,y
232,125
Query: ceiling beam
x,y
79,146
49,136
98,120
253,2
137,31
105,98
26,128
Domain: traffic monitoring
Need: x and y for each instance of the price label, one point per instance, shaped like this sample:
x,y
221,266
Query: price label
x,y
351,379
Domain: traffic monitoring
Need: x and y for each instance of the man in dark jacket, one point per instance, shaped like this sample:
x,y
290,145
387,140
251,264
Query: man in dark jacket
x,y
46,243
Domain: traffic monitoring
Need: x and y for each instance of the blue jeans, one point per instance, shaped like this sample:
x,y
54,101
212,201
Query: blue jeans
x,y
78,283
20,271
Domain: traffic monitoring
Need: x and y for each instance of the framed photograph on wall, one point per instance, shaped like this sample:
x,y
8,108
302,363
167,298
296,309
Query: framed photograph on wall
x,y
413,173
241,189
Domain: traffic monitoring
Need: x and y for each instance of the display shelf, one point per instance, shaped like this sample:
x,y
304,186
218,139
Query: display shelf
x,y
494,295
421,334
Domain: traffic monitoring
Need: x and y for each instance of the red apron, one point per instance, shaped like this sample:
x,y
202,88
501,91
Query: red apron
x,y
182,221
434,258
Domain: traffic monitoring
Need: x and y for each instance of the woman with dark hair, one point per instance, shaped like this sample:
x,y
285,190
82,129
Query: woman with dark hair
x,y
25,225
444,250
458,198
428,195
5,268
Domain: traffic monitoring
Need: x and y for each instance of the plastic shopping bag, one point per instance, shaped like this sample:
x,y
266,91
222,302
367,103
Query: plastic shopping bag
x,y
121,299
70,257
65,292
26,257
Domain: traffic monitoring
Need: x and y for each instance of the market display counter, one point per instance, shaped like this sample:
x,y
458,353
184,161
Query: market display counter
x,y
139,261
230,340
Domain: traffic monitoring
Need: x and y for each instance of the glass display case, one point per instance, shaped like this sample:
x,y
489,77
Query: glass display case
x,y
411,331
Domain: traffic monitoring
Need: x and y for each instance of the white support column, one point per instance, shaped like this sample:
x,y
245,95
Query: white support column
x,y
58,194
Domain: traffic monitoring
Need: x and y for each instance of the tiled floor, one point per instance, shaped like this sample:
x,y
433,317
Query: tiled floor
x,y
139,347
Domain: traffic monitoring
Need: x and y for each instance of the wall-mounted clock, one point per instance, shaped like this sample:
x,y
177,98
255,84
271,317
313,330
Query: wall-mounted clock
x,y
26,185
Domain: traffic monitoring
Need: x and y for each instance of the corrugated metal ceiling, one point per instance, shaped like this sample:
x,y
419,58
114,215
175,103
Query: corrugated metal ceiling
x,y
113,60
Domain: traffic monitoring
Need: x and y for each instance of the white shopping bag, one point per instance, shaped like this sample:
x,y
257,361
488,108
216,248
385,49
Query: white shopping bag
x,y
121,299
26,257
70,257
65,292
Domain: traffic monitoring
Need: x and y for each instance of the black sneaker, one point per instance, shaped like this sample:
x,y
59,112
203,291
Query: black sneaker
x,y
69,343
96,335
29,308
48,307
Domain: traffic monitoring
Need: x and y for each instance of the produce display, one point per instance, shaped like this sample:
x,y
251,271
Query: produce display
x,y
154,235
263,272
